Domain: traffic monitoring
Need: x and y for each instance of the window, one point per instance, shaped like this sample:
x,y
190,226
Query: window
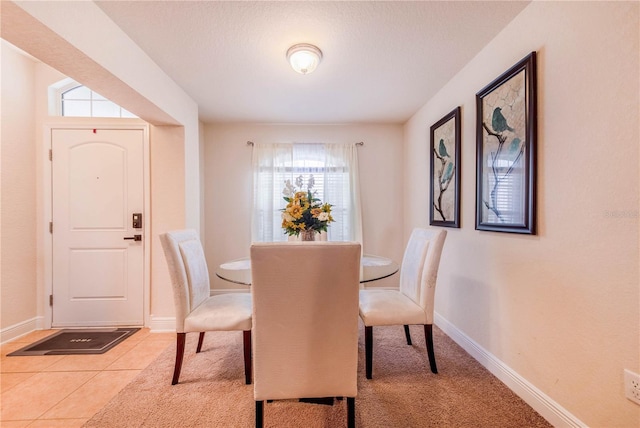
x,y
335,170
76,100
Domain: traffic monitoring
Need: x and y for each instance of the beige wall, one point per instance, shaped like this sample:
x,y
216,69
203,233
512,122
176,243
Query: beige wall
x,y
561,308
228,184
167,212
18,246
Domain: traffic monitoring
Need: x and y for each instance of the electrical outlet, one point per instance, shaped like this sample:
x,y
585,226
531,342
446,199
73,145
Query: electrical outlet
x,y
632,386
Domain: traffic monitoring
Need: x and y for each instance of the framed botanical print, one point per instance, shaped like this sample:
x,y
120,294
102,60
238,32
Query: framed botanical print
x,y
506,151
444,149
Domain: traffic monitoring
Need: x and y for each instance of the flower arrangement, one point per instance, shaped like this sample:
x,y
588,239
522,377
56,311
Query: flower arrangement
x,y
304,212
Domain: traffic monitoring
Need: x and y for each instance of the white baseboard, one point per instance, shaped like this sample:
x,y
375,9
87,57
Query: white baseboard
x,y
216,291
162,324
156,324
21,329
557,415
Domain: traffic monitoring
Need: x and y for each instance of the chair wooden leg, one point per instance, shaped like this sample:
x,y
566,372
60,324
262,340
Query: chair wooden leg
x,y
259,413
246,339
368,348
428,336
180,339
200,340
408,334
351,412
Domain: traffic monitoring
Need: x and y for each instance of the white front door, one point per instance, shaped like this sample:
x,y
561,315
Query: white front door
x,y
97,189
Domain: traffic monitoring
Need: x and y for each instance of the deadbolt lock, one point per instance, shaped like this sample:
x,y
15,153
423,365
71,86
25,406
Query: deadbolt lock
x,y
137,221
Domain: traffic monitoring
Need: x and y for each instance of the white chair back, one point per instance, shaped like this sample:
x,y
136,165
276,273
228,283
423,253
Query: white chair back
x,y
188,271
305,319
419,269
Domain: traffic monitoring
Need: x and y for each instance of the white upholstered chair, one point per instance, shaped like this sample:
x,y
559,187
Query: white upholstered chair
x,y
196,309
305,322
412,303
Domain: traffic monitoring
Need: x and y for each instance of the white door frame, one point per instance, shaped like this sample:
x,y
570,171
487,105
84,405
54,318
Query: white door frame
x,y
47,237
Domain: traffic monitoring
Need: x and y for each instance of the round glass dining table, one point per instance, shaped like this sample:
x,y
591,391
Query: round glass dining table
x,y
372,268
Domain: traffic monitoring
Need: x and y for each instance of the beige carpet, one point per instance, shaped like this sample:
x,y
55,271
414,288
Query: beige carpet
x,y
402,393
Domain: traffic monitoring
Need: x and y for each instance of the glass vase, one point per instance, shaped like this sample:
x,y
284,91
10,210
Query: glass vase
x,y
308,235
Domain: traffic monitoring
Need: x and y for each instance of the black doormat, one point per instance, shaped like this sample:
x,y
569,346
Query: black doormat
x,y
72,342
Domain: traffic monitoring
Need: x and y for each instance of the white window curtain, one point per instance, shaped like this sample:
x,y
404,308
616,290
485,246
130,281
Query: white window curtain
x,y
335,170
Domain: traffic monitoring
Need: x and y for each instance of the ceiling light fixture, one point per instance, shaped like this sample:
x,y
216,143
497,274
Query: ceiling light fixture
x,y
304,58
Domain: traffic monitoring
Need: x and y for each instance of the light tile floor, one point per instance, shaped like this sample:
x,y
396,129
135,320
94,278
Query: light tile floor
x,y
67,390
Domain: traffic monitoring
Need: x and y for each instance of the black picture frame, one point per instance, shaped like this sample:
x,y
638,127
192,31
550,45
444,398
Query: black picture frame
x,y
444,182
506,145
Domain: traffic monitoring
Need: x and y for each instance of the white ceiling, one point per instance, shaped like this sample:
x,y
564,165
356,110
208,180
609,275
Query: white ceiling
x,y
382,60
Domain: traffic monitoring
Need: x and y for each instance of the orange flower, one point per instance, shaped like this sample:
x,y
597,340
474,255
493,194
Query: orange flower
x,y
295,211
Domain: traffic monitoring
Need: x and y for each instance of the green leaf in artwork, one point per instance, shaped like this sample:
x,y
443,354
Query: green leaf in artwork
x,y
448,173
514,147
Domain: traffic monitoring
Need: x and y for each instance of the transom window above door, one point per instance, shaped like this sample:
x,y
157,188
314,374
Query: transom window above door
x,y
75,100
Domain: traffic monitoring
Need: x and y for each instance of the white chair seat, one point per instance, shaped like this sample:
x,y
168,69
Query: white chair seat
x,y
389,307
224,312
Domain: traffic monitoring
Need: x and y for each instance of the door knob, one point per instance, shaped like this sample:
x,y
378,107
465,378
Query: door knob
x,y
134,237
